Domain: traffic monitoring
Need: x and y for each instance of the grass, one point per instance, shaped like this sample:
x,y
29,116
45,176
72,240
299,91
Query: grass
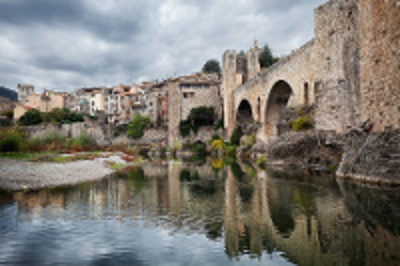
x,y
301,123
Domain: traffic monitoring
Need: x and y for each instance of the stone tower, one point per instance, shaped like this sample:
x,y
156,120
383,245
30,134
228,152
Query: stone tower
x,y
229,84
380,62
24,91
337,66
236,70
174,112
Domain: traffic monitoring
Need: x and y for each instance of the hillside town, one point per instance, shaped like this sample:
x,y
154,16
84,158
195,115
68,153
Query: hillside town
x,y
118,104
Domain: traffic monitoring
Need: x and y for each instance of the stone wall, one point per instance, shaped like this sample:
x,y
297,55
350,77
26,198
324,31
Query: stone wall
x,y
337,69
229,72
296,69
350,71
202,97
174,112
380,62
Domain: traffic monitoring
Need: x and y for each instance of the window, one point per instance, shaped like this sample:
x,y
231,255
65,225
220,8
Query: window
x,y
151,103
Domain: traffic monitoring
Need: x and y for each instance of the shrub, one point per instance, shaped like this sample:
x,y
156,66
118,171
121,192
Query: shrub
x,y
201,116
8,113
249,142
216,137
48,141
217,164
31,117
261,161
198,148
121,129
237,135
184,128
217,144
83,142
137,125
229,150
11,140
301,123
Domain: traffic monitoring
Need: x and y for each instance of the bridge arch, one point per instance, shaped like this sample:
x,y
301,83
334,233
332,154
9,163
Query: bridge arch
x,y
277,101
244,113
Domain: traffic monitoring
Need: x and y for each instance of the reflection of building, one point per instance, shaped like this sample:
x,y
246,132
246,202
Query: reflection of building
x,y
305,223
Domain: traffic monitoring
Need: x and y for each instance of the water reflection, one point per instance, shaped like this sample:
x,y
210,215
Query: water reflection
x,y
235,213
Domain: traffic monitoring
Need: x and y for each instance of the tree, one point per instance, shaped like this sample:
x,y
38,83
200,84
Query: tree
x,y
201,116
137,125
31,117
212,66
266,58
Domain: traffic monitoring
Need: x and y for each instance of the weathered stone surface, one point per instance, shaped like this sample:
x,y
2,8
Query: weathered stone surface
x,y
350,71
371,158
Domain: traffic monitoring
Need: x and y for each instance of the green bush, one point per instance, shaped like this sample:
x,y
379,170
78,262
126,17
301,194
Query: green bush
x,y
261,161
236,135
198,148
201,116
48,141
184,128
217,144
137,125
8,113
216,137
83,142
249,142
12,140
301,123
31,117
229,150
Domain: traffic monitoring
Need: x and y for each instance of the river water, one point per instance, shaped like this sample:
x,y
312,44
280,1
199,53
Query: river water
x,y
178,214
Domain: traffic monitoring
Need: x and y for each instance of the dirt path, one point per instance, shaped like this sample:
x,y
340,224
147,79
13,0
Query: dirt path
x,y
19,175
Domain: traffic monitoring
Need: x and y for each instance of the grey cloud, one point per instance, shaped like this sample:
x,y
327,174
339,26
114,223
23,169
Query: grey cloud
x,y
65,44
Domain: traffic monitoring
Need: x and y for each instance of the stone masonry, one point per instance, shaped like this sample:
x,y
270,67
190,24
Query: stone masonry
x,y
349,71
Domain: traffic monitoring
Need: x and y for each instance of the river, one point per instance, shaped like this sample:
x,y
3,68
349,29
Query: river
x,y
211,214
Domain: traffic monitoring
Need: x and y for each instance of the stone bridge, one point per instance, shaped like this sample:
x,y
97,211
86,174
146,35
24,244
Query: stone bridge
x,y
288,82
345,71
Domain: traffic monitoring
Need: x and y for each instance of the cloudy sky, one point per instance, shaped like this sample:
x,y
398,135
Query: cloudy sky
x,y
68,44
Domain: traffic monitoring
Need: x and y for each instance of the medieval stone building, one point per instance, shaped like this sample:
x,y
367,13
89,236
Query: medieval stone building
x,y
349,71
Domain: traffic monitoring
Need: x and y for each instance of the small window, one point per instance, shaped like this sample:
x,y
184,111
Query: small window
x,y
151,103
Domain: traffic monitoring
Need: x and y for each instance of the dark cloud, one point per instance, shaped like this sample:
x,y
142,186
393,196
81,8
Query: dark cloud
x,y
64,44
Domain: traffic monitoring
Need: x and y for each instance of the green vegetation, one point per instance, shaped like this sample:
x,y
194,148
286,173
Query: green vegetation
x,y
31,117
55,116
198,148
237,135
249,142
217,144
266,58
333,168
8,113
201,116
198,117
261,161
212,66
121,129
137,125
83,142
12,140
301,123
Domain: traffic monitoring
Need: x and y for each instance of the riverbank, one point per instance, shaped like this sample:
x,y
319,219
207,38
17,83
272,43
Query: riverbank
x,y
372,158
22,175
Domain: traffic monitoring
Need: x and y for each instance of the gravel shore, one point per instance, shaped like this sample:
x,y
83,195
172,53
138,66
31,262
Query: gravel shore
x,y
22,175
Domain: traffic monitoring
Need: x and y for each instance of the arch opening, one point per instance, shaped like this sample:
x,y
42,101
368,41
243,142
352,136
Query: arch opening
x,y
277,101
244,114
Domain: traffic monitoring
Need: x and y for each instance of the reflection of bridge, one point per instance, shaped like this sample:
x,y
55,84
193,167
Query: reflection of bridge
x,y
342,71
309,225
